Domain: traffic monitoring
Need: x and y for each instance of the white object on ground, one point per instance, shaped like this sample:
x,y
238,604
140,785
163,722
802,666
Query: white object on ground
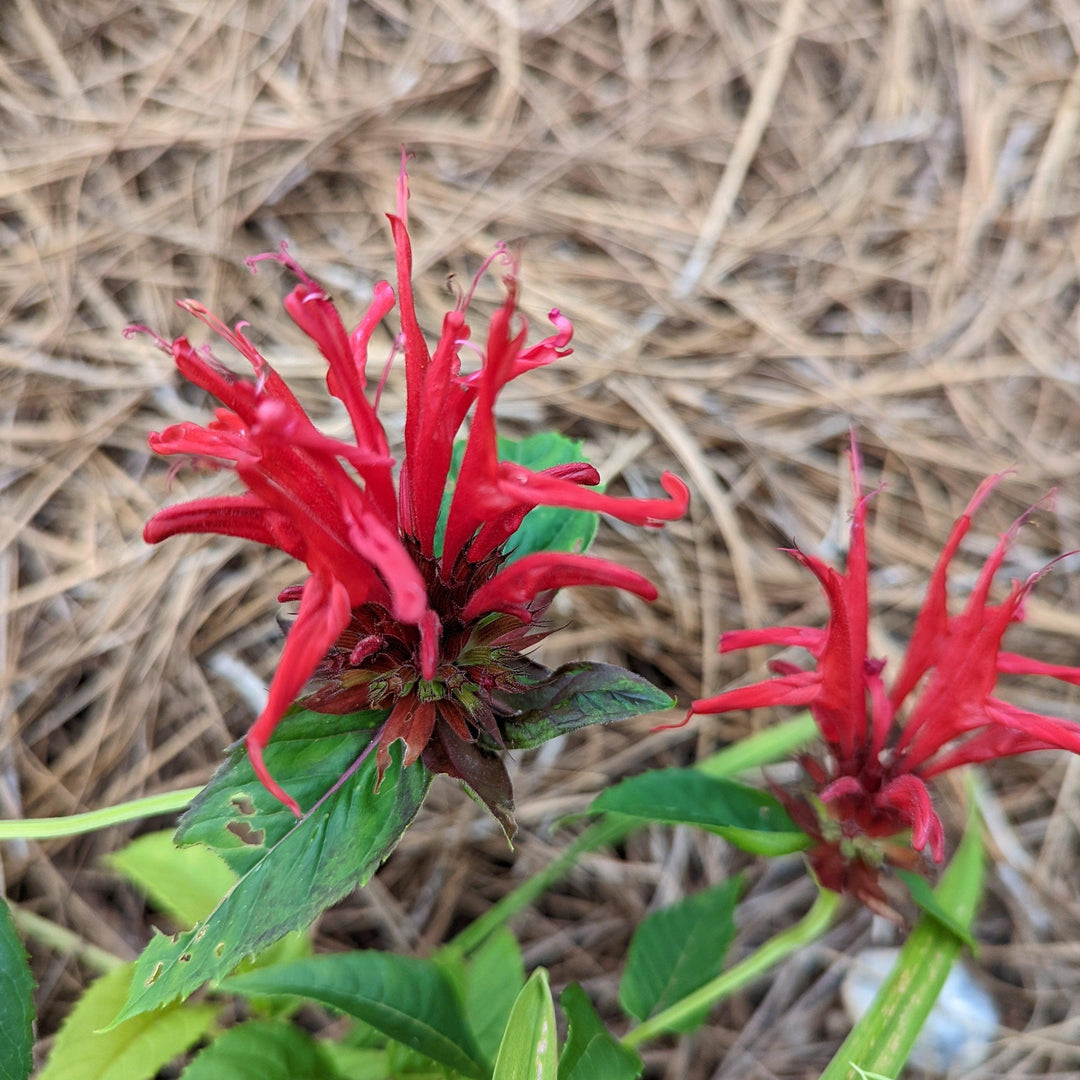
x,y
960,1028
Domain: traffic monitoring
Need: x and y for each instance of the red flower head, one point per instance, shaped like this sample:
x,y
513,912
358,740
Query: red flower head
x,y
884,744
409,606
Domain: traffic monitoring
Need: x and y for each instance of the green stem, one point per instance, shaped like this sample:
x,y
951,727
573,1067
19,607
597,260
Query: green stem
x,y
881,1042
768,746
606,831
64,941
812,925
166,802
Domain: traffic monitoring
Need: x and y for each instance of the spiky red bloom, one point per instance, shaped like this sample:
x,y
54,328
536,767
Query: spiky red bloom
x,y
390,620
884,744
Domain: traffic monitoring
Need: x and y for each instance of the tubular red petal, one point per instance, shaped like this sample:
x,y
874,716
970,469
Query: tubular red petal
x,y
269,382
931,625
907,795
496,532
986,745
843,787
324,613
430,632
1014,664
243,516
511,589
840,708
802,688
804,637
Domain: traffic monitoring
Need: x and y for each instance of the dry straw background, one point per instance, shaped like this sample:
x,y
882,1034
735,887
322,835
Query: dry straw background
x,y
768,220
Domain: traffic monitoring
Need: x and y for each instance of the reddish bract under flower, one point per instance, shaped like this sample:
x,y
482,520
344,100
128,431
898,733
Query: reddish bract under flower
x,y
872,783
385,620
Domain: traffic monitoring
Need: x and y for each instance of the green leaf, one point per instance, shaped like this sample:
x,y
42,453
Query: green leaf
x,y
882,1040
750,819
545,528
262,1050
238,818
924,896
357,1063
408,999
529,1049
134,1050
336,846
493,979
591,1051
16,1003
678,949
187,883
575,696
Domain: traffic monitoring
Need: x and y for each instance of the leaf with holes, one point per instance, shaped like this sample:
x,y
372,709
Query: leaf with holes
x,y
336,846
238,818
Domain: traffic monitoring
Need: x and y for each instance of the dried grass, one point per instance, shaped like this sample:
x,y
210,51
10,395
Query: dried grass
x,y
768,220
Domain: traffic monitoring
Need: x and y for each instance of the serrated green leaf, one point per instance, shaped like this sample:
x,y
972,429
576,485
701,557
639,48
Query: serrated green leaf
x,y
575,696
235,816
678,949
882,1040
186,883
333,848
591,1051
493,979
263,1050
924,896
545,528
16,1003
135,1050
410,1000
748,818
529,1049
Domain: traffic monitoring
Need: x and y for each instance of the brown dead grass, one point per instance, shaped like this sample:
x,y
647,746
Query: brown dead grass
x,y
768,221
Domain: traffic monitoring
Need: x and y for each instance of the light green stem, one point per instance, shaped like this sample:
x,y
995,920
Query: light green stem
x,y
764,748
166,802
812,925
881,1042
64,941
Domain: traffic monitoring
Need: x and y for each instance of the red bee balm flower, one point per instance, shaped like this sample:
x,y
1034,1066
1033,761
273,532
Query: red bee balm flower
x,y
390,618
872,783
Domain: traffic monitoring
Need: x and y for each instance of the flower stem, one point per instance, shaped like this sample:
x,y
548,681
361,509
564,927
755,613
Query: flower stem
x,y
768,746
167,802
812,925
